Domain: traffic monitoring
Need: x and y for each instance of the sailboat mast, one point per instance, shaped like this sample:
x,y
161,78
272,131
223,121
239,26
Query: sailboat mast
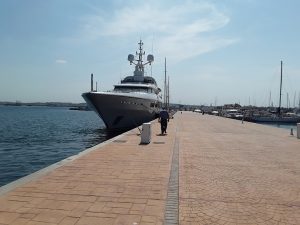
x,y
280,88
168,95
299,101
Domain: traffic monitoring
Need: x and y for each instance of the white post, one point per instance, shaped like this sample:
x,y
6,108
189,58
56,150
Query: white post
x,y
298,130
146,133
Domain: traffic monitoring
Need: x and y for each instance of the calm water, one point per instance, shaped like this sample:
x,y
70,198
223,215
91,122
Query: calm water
x,y
282,125
32,138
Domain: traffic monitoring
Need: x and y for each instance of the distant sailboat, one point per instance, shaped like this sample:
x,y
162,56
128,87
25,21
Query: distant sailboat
x,y
279,117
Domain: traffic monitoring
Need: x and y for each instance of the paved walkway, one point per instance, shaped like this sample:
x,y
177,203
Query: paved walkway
x,y
122,182
207,170
234,173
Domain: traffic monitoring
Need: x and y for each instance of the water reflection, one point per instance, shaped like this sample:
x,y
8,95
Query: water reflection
x,y
281,125
92,137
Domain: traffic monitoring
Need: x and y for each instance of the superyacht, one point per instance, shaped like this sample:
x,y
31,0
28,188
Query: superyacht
x,y
134,101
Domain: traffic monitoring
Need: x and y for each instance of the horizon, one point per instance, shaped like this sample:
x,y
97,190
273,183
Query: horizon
x,y
217,52
12,103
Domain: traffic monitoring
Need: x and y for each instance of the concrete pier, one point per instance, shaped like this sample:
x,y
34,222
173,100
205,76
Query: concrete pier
x,y
207,170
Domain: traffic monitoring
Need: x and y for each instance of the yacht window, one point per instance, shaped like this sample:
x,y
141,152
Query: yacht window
x,y
131,89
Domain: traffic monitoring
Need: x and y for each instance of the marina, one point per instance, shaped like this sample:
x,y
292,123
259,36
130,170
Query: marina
x,y
206,170
92,135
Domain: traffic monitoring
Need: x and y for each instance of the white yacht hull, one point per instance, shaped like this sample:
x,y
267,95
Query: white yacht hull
x,y
123,111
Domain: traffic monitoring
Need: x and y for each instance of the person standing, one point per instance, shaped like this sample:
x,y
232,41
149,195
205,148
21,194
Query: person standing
x,y
164,119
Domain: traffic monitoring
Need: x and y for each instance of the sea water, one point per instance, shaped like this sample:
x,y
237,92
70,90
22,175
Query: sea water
x,y
282,125
32,138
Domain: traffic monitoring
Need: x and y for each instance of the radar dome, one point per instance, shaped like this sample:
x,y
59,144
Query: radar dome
x,y
130,57
150,58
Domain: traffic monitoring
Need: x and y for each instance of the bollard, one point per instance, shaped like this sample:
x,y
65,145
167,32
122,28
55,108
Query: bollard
x,y
146,133
298,130
292,133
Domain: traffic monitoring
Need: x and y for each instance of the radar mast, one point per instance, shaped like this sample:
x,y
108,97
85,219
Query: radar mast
x,y
138,73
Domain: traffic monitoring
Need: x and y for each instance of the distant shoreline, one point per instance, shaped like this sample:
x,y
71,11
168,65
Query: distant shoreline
x,y
51,104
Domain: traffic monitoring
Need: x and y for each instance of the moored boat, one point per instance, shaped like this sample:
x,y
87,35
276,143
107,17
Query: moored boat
x,y
283,118
134,101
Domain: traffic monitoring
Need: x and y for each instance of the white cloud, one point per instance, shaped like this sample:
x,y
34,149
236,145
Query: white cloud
x,y
60,61
181,31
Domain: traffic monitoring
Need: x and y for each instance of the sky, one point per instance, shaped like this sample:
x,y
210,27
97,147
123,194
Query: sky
x,y
217,52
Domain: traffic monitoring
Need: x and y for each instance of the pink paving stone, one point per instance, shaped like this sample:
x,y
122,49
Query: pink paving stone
x,y
50,216
20,221
95,221
69,221
8,217
127,220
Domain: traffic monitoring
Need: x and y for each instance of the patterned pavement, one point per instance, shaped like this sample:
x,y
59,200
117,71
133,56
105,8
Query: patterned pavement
x,y
207,170
234,173
119,183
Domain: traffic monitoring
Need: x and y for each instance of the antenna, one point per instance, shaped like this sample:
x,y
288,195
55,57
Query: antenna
x,y
280,87
152,52
299,101
152,43
92,82
137,60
